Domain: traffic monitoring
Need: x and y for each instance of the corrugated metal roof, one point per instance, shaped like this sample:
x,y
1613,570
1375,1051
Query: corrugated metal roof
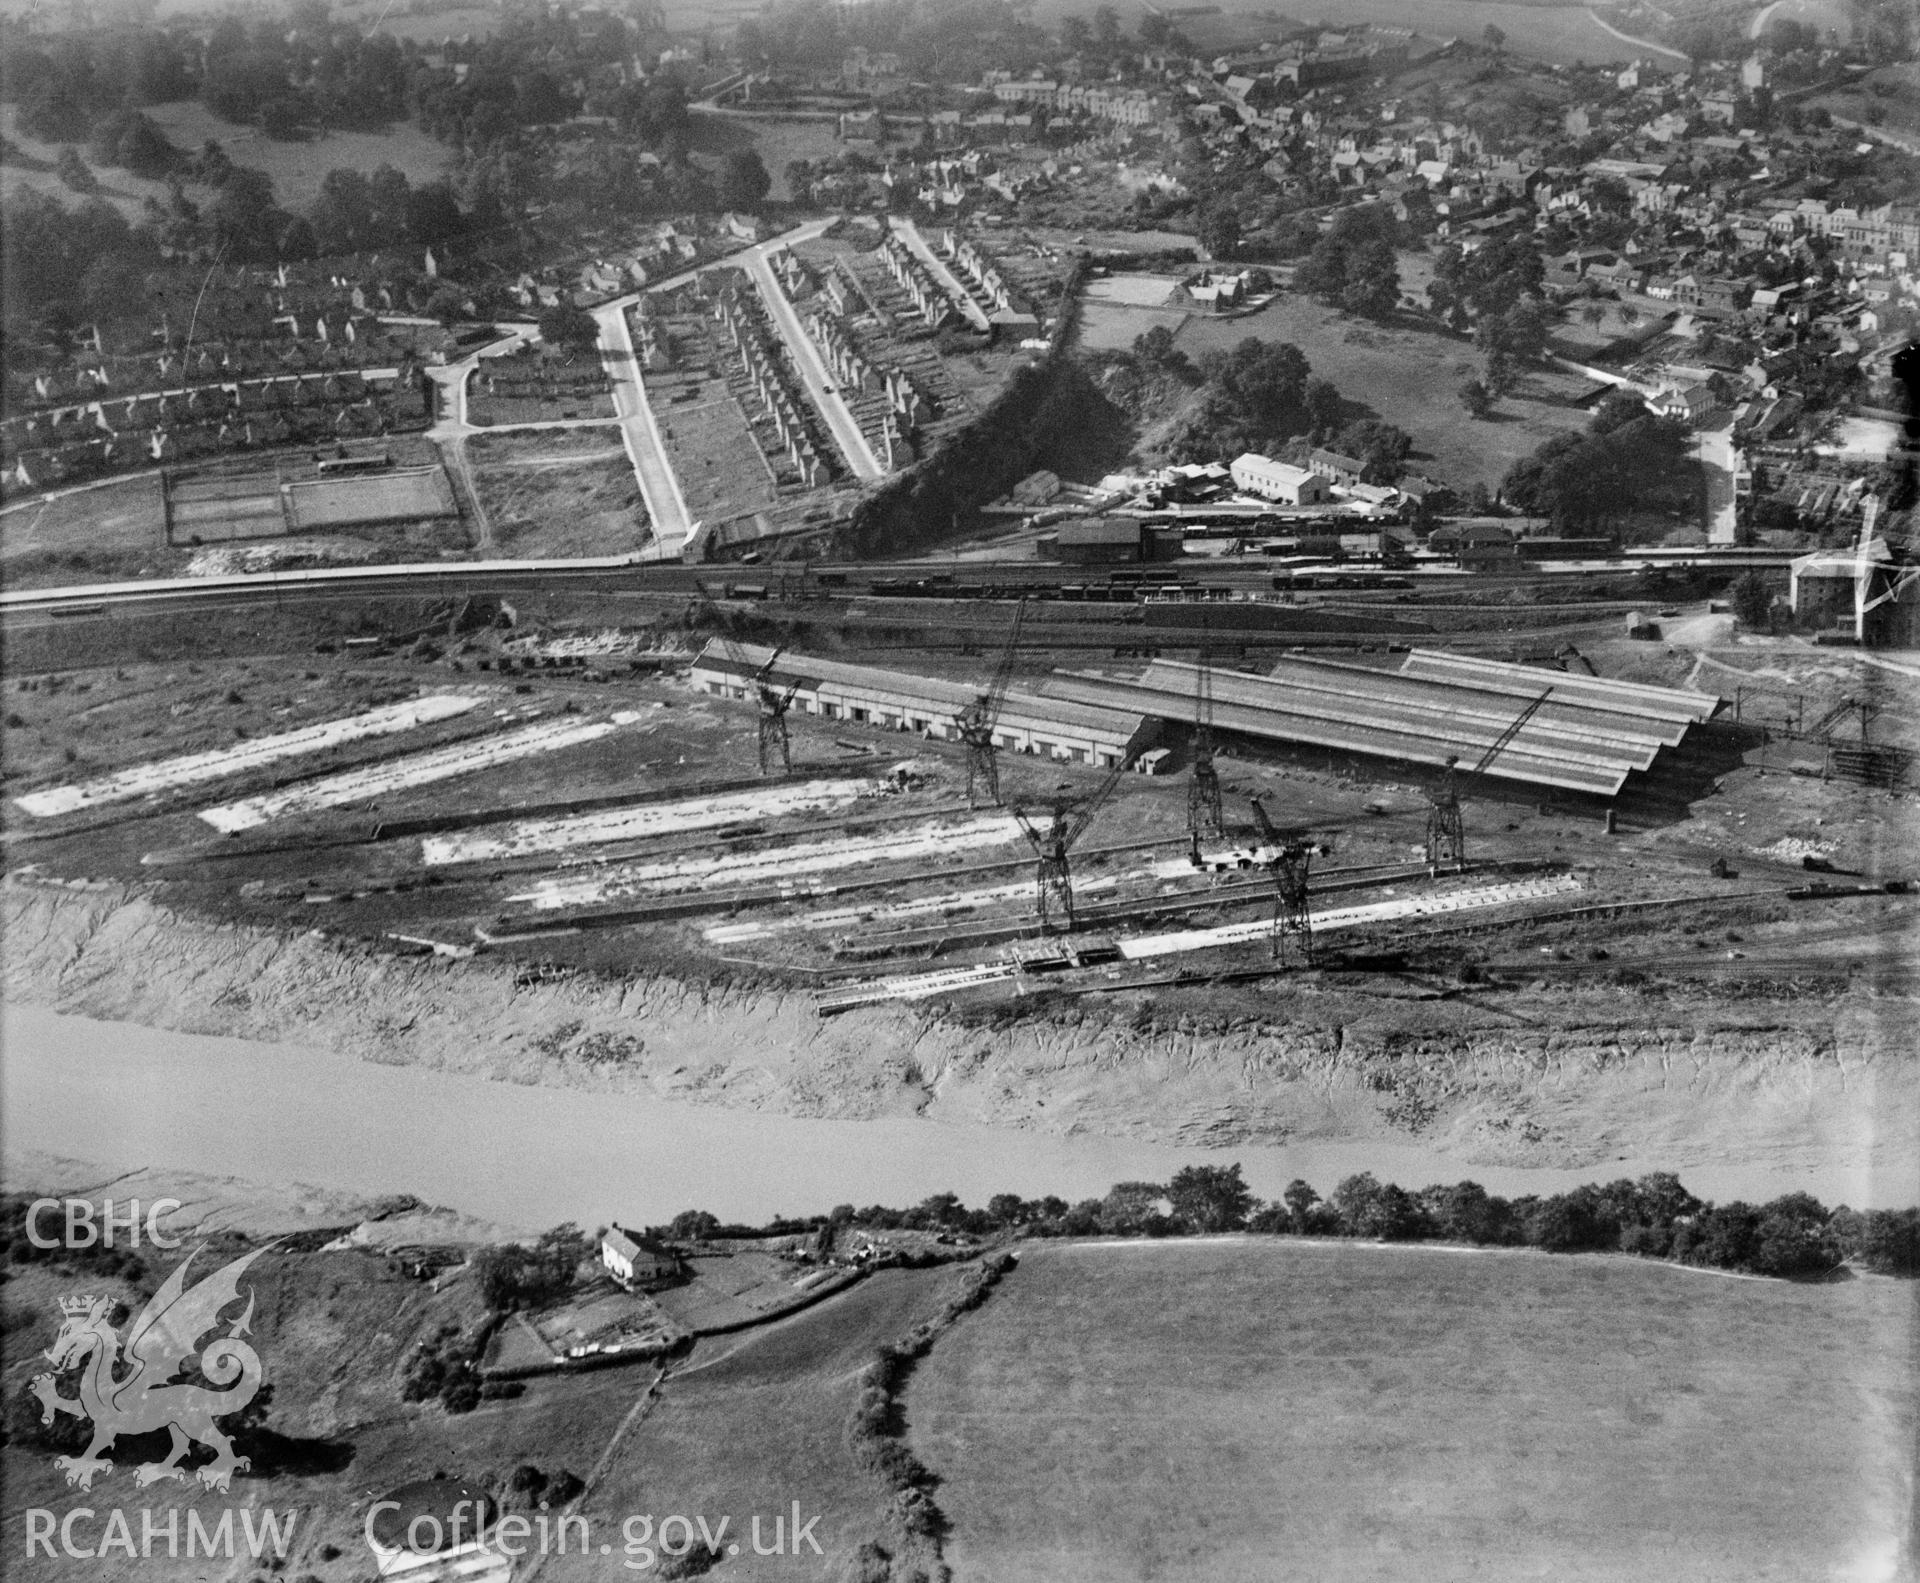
x,y
1595,692
1584,738
1317,721
939,700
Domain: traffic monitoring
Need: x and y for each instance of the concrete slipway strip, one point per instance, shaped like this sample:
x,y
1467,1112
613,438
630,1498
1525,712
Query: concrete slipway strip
x,y
711,870
960,904
632,824
417,769
165,774
921,986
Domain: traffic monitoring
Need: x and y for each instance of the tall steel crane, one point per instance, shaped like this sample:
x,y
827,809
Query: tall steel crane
x,y
978,720
1203,783
1053,847
771,702
1287,859
1446,839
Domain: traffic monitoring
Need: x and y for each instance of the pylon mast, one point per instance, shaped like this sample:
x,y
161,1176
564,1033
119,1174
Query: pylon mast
x,y
1446,835
1053,850
977,721
1203,783
1287,859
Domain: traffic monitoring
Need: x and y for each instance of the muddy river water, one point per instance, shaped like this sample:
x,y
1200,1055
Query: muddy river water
x,y
128,1097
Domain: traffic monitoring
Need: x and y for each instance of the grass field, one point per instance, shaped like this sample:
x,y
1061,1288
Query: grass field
x,y
755,1423
1561,33
297,169
1262,1410
1411,378
583,503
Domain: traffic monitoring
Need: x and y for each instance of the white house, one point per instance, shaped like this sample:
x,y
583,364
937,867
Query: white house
x,y
636,1261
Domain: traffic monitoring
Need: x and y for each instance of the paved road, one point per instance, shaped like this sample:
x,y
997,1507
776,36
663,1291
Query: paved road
x,y
909,233
806,356
666,506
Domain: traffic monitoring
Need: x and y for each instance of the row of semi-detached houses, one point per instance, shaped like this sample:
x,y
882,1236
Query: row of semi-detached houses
x,y
1126,106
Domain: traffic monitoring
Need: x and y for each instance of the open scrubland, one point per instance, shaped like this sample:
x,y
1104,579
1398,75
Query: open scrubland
x,y
1232,1409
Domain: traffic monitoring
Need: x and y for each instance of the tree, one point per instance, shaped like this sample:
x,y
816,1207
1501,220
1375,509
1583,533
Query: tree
x,y
1156,348
1496,37
73,172
1368,1209
1752,602
1130,1207
569,327
1476,398
280,119
114,286
1381,449
744,182
1210,1198
696,1225
1219,230
1794,1237
1353,266
1299,1198
512,1275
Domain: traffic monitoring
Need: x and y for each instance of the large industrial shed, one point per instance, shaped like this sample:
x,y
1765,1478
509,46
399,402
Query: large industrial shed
x,y
1590,735
1069,730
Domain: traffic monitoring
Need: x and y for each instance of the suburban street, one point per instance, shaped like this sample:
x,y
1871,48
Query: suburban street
x,y
806,356
910,233
666,506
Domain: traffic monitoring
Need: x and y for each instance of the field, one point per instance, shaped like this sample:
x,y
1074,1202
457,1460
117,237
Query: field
x,y
579,501
1558,33
297,169
125,192
779,140
1411,378
84,533
1888,97
404,496
1246,1410
753,1424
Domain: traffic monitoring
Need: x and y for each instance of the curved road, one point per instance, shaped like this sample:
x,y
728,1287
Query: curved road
x,y
1638,43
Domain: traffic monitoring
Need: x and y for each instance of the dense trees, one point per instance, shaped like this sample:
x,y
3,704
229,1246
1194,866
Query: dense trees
x,y
512,1275
744,181
1353,265
1653,1216
1257,396
1627,461
1493,280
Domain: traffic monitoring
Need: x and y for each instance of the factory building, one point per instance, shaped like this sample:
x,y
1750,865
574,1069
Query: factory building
x,y
1254,474
1058,728
1591,736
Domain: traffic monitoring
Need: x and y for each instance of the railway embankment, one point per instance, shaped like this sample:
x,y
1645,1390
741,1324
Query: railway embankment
x,y
1573,1076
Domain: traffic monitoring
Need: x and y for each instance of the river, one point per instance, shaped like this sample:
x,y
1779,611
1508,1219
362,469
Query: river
x,y
128,1097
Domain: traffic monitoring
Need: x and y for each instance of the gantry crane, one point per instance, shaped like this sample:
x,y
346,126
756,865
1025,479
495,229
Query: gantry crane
x,y
1287,859
1203,784
1053,847
978,720
1446,839
771,702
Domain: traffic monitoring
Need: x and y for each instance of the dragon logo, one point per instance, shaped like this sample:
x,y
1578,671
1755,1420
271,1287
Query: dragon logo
x,y
141,1391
